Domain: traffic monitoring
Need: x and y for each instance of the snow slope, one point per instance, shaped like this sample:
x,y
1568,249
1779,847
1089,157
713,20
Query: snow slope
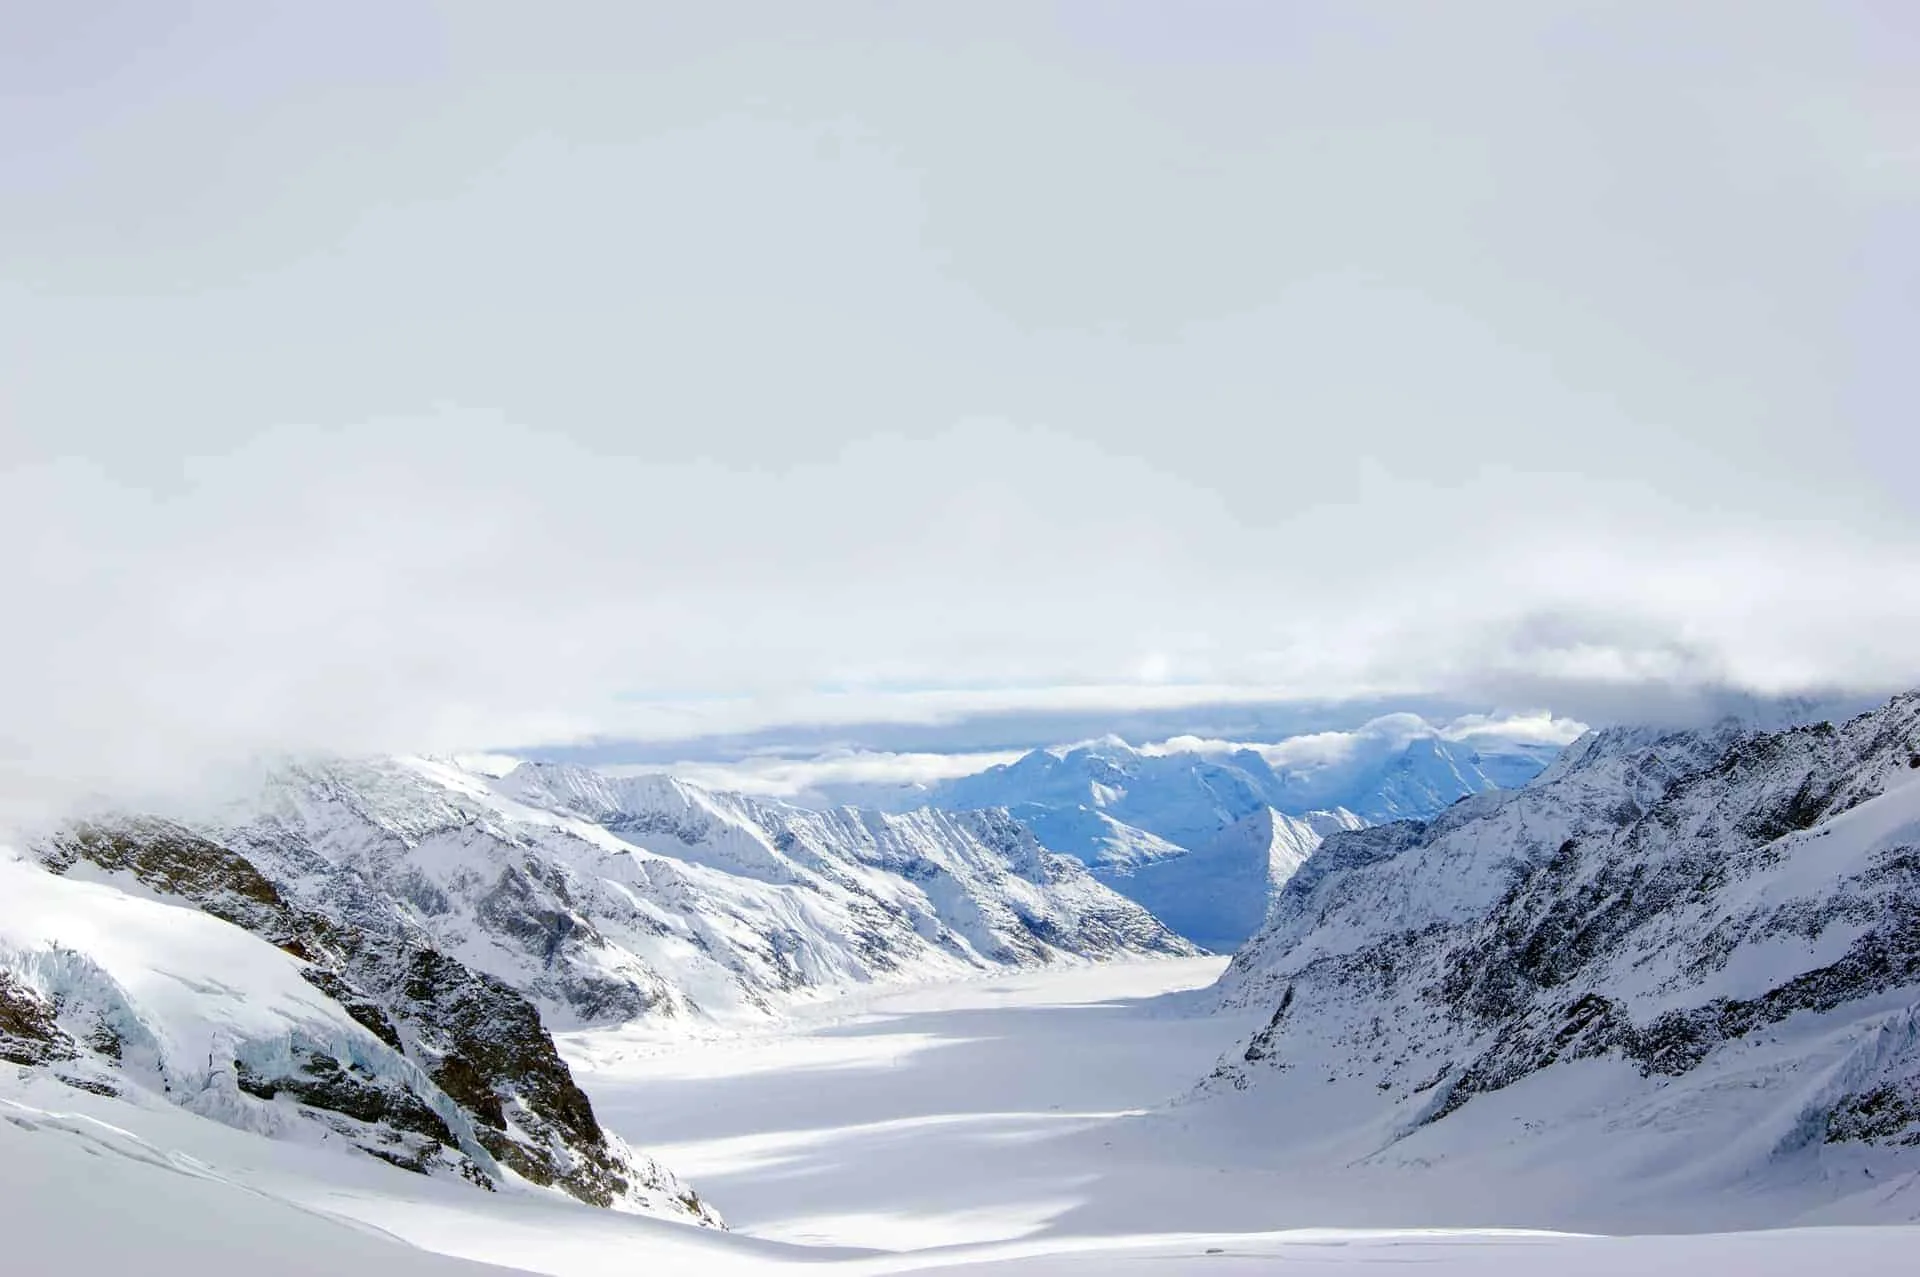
x,y
1675,978
491,1065
62,1174
1218,895
127,990
991,1125
175,1002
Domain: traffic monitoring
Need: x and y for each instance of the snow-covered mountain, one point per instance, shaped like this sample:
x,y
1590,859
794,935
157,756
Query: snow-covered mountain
x,y
143,962
1675,966
608,899
1203,837
1392,769
371,952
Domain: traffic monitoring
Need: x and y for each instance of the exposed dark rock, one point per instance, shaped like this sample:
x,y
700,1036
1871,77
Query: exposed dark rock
x,y
362,1007
30,1031
1887,1114
1885,958
172,859
351,1091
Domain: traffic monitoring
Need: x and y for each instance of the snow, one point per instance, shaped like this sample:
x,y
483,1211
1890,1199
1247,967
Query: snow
x,y
80,1197
1044,1119
913,1102
1387,771
603,898
1218,894
1438,1026
989,1126
190,996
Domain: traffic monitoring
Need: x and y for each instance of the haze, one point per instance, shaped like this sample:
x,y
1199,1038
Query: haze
x,y
406,376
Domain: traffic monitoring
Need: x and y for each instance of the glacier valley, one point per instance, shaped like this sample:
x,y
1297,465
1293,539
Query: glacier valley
x,y
1618,1013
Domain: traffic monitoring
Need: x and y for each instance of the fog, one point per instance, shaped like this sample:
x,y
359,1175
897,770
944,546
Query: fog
x,y
400,376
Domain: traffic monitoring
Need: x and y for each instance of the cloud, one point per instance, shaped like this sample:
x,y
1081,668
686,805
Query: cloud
x,y
1538,728
559,383
819,778
1382,735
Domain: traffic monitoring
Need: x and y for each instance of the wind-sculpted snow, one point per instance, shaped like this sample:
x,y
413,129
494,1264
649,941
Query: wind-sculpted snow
x,y
1725,923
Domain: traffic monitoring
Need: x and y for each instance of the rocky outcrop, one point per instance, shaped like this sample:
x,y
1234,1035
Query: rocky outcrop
x,y
30,1031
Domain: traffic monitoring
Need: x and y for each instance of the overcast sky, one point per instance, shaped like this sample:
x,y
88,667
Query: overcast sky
x,y
394,375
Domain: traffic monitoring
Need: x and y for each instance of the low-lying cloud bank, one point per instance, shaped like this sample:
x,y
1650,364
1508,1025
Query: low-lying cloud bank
x,y
328,593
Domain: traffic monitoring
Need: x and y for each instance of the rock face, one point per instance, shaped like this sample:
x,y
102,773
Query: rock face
x,y
30,1031
1711,938
460,1074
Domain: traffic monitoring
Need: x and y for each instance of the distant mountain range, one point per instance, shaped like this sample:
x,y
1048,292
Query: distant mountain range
x,y
1185,796
1203,836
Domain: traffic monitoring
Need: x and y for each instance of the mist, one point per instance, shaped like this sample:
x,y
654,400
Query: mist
x,y
416,377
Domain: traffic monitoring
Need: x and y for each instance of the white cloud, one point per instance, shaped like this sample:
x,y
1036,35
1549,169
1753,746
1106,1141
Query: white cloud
x,y
1538,728
798,778
1387,733
541,396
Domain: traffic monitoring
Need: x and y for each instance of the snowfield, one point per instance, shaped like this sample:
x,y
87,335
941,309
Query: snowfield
x,y
1665,994
978,1127
962,1113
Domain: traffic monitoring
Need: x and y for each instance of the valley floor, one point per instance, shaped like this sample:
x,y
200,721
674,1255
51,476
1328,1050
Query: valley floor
x,y
969,1112
990,1126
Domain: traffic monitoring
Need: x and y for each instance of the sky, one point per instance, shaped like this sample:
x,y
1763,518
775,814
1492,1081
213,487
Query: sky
x,y
475,376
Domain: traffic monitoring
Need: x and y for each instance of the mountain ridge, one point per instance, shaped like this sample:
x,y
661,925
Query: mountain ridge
x,y
1711,937
427,927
